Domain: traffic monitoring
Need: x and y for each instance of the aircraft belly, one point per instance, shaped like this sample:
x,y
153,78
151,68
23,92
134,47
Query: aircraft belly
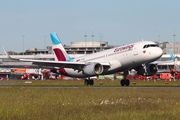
x,y
74,73
130,62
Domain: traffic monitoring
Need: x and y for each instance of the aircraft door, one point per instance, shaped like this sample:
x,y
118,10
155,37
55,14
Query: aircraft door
x,y
136,50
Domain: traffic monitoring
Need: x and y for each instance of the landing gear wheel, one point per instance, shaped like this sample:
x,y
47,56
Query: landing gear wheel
x,y
122,82
91,82
125,82
88,82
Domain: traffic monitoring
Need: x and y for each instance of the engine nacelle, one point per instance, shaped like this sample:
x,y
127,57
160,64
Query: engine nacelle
x,y
147,69
93,69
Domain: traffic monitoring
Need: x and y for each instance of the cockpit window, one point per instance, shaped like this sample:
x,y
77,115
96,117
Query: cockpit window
x,y
150,45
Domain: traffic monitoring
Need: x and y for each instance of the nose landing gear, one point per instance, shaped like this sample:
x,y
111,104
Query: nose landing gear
x,y
125,81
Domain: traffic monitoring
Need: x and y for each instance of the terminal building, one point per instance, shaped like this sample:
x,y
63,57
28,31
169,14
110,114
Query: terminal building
x,y
74,48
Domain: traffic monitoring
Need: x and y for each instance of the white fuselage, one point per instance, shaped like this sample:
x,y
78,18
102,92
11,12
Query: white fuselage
x,y
120,58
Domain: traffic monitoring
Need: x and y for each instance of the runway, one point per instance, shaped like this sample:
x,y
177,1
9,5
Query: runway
x,y
95,87
74,84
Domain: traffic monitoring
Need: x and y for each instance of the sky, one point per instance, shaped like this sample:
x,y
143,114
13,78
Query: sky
x,y
28,23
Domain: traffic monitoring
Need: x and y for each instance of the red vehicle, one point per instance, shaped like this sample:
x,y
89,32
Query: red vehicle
x,y
165,76
29,76
177,75
153,77
141,77
136,76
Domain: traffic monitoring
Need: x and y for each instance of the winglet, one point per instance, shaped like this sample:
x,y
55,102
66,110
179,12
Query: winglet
x,y
6,53
8,56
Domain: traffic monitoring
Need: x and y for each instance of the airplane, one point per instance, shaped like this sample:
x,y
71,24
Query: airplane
x,y
165,66
136,56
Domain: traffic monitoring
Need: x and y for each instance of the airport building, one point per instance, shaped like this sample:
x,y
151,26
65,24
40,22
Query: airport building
x,y
74,48
166,46
175,48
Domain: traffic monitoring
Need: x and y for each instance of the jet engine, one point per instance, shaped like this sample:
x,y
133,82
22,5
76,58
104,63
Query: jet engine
x,y
93,69
147,69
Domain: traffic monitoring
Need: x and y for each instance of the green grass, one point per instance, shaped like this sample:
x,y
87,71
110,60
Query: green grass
x,y
80,83
88,103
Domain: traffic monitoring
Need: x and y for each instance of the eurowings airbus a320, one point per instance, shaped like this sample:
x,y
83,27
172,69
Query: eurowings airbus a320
x,y
136,56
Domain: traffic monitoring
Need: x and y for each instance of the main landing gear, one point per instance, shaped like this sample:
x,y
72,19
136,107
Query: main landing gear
x,y
88,81
124,81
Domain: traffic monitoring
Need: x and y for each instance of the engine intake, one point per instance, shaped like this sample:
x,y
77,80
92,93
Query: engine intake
x,y
93,69
147,69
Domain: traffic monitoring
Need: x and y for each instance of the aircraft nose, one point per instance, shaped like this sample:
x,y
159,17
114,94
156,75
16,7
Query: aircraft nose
x,y
159,52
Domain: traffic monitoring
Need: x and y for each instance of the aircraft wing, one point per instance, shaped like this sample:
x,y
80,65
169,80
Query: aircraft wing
x,y
63,64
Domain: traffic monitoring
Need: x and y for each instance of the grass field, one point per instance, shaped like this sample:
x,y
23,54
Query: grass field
x,y
80,83
76,102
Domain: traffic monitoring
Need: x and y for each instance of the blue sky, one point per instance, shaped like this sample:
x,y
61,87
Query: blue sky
x,y
119,21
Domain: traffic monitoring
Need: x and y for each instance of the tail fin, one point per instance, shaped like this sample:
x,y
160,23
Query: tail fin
x,y
60,52
171,55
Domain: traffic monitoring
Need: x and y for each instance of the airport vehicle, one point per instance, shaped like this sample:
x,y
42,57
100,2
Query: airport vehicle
x,y
119,59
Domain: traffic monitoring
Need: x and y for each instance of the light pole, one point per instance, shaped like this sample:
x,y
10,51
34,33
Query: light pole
x,y
85,36
23,43
45,44
92,42
174,42
100,41
174,57
159,38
